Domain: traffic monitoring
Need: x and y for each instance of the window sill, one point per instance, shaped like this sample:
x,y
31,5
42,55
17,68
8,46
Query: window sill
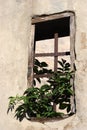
x,y
44,120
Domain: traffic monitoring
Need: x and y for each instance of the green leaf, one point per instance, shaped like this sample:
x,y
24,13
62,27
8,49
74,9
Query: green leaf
x,y
70,91
38,79
61,64
34,82
68,108
62,106
67,65
36,62
63,61
43,64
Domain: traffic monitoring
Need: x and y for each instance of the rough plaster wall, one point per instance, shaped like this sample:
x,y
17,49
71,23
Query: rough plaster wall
x,y
48,6
14,39
79,121
80,8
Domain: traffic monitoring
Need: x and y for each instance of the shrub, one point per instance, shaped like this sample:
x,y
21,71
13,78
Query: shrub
x,y
38,102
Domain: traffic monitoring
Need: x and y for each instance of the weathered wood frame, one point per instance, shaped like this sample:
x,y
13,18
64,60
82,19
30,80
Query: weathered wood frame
x,y
45,18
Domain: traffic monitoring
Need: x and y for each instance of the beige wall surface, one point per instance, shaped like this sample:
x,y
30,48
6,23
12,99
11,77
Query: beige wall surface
x,y
15,20
15,49
49,6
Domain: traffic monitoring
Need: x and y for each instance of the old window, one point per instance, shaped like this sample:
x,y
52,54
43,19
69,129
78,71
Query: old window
x,y
54,39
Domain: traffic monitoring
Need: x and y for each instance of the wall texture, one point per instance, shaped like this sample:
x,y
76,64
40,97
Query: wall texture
x,y
15,20
15,49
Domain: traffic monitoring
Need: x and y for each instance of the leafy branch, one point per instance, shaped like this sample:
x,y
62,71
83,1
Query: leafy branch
x,y
38,102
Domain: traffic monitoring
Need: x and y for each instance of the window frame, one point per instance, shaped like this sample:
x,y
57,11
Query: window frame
x,y
45,18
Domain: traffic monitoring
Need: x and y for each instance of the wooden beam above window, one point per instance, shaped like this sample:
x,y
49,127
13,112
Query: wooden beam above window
x,y
44,18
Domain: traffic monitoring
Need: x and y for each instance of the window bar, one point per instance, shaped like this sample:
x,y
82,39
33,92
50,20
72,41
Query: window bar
x,y
55,58
52,54
55,51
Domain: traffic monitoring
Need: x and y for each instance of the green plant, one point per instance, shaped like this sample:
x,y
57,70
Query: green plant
x,y
40,68
38,102
61,85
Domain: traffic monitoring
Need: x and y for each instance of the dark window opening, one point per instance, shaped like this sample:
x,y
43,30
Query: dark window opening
x,y
46,30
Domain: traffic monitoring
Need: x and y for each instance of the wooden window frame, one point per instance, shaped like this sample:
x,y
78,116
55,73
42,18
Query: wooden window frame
x,y
45,18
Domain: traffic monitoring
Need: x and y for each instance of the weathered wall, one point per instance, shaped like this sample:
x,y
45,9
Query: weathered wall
x,y
15,24
78,121
15,17
48,6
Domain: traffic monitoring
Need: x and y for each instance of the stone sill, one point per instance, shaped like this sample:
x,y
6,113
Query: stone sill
x,y
43,120
49,124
